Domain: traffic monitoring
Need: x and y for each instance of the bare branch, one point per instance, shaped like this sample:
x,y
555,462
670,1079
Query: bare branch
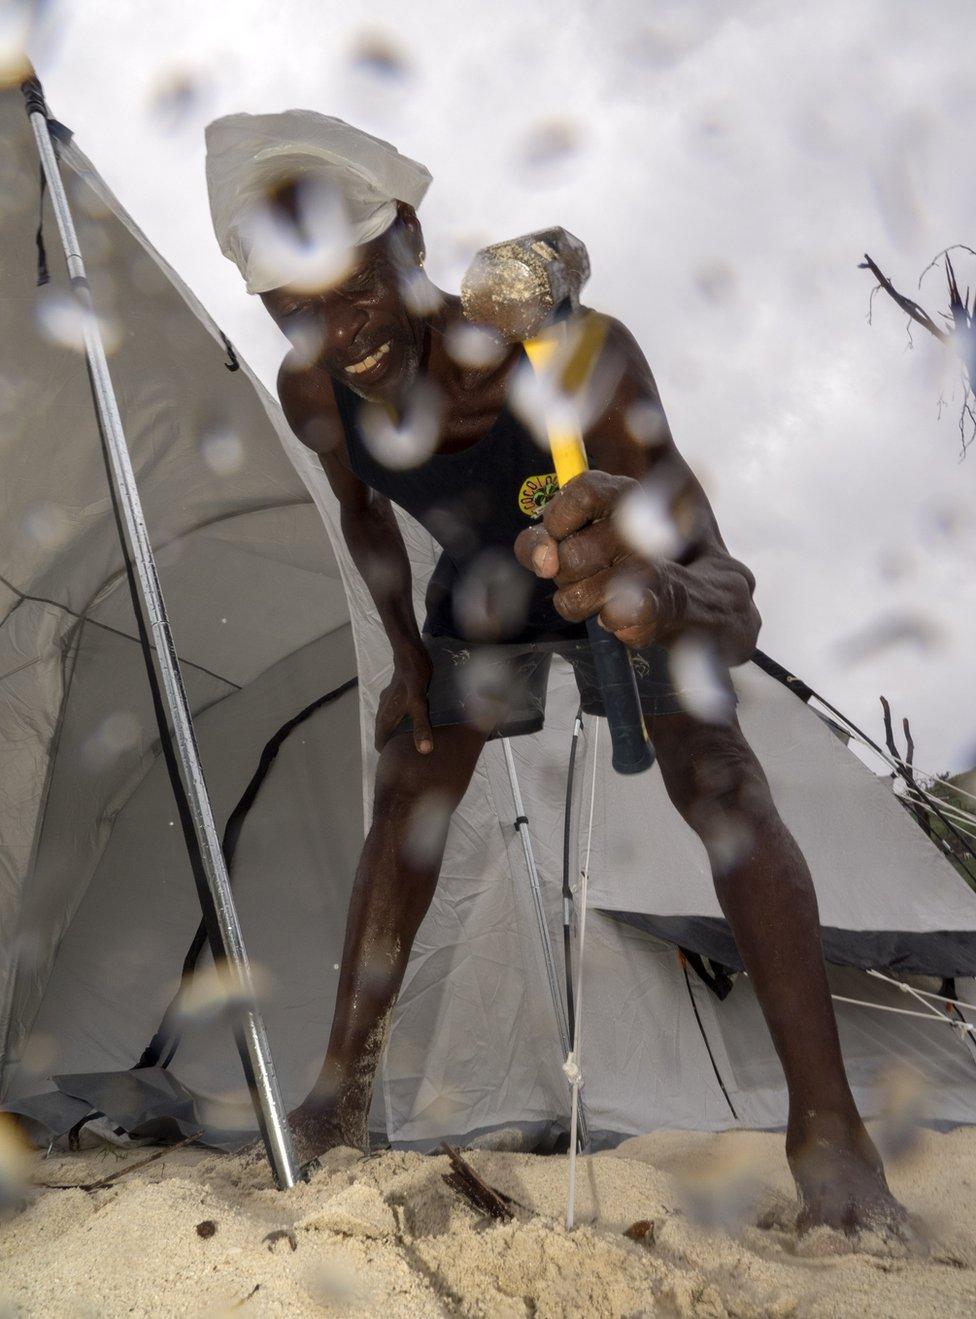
x,y
911,308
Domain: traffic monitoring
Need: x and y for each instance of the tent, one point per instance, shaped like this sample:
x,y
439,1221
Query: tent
x,y
97,903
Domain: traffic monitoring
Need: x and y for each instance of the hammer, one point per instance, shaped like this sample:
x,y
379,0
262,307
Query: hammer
x,y
524,289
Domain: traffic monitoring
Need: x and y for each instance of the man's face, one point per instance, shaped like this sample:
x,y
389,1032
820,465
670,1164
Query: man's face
x,y
362,330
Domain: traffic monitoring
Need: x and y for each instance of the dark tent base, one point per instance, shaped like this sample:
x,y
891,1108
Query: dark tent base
x,y
939,953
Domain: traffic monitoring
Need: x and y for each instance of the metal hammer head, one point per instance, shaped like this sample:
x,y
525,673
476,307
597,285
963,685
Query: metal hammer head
x,y
515,287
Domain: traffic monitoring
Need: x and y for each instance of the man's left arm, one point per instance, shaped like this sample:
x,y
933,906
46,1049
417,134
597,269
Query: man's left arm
x,y
635,540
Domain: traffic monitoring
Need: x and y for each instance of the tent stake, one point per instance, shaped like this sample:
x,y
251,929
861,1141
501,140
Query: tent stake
x,y
521,826
224,927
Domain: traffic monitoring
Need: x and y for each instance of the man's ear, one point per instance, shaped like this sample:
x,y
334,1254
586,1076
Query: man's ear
x,y
408,236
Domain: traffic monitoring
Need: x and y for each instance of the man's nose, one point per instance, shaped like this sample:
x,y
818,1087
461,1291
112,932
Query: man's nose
x,y
344,320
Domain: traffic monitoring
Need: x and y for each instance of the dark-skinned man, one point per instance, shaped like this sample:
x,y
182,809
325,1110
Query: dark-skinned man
x,y
320,218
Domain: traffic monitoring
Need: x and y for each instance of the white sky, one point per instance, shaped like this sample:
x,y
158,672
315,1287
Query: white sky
x,y
730,162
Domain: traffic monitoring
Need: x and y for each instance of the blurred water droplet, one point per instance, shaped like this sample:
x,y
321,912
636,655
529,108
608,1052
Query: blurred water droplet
x,y
486,689
212,995
334,1283
15,1154
62,320
48,524
539,403
420,295
427,830
377,52
900,628
644,519
473,347
176,95
222,451
646,423
492,596
716,282
548,151
40,1053
116,734
719,1184
306,334
896,562
700,681
298,234
16,24
414,439
901,1093
375,79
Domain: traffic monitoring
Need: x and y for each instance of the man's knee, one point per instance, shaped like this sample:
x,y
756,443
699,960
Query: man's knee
x,y
718,786
412,809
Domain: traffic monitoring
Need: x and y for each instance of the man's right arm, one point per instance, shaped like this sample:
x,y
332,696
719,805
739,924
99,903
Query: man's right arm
x,y
370,530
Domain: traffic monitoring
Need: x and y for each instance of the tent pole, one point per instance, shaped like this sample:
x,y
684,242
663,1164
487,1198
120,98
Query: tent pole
x,y
224,924
521,826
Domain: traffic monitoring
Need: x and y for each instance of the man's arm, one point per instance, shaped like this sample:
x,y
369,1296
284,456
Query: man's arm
x,y
370,530
635,540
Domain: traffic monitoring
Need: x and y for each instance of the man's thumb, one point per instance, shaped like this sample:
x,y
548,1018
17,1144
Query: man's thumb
x,y
422,736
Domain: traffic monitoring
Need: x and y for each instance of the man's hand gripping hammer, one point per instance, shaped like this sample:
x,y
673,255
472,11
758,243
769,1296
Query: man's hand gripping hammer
x,y
524,289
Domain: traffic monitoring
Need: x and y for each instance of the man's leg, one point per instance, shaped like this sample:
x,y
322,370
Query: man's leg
x,y
414,796
765,890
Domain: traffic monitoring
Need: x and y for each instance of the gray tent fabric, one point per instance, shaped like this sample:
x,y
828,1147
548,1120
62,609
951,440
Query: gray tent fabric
x,y
97,904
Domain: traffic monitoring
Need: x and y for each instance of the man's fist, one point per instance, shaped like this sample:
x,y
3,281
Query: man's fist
x,y
580,546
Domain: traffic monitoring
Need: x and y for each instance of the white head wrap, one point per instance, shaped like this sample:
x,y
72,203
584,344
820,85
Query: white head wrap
x,y
247,155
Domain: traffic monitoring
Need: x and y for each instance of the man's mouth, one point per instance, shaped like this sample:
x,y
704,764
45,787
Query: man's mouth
x,y
367,363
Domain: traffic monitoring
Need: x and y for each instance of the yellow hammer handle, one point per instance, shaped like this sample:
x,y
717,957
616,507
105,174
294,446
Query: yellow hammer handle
x,y
565,442
632,750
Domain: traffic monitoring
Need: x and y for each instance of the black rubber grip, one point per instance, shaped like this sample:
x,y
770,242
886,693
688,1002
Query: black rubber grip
x,y
632,750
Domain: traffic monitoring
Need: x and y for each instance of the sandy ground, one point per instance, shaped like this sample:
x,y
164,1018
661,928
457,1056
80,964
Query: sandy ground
x,y
386,1236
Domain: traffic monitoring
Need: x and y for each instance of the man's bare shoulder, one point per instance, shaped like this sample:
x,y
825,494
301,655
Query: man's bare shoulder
x,y
623,345
630,429
309,404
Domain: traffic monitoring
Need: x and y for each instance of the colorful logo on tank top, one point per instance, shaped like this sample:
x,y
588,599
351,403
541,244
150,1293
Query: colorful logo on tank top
x,y
536,492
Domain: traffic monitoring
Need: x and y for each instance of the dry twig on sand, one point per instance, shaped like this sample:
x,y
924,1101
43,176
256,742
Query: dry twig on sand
x,y
482,1197
129,1167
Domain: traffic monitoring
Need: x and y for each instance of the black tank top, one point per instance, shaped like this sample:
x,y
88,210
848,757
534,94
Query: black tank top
x,y
474,503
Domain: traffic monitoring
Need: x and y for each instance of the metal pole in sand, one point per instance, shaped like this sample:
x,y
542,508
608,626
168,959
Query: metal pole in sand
x,y
580,1130
225,929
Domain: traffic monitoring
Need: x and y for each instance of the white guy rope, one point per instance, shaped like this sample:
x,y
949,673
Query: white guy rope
x,y
922,993
572,1064
917,796
963,820
963,1027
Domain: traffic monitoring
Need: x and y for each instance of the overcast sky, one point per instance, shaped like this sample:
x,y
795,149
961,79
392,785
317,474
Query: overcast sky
x,y
727,162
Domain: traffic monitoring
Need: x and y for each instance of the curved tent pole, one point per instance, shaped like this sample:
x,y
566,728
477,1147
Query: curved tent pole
x,y
521,828
179,747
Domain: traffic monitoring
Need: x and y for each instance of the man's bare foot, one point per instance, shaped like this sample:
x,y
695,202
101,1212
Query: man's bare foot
x,y
316,1128
840,1178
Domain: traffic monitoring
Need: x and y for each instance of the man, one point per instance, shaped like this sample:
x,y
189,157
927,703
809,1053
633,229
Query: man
x,y
381,385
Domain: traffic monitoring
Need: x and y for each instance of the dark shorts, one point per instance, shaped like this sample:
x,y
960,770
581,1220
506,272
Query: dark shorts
x,y
502,688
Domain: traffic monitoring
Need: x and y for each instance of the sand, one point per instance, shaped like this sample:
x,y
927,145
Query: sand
x,y
385,1236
